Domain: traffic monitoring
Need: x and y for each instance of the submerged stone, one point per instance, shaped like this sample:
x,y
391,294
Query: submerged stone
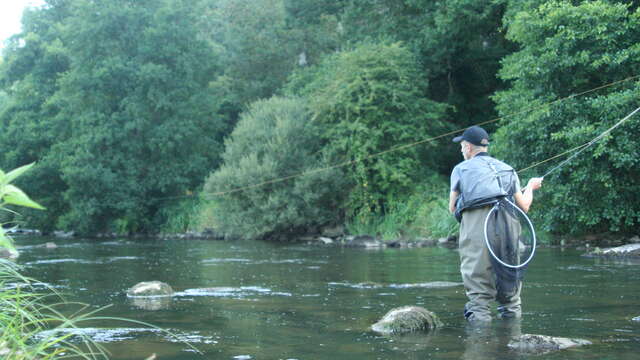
x,y
150,289
406,319
152,303
529,343
11,254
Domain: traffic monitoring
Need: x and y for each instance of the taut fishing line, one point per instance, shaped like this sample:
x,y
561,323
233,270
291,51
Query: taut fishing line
x,y
405,146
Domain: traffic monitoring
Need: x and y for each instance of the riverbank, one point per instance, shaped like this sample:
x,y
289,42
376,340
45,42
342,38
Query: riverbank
x,y
338,236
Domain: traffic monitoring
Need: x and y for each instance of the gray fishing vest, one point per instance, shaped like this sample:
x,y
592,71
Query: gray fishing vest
x,y
483,180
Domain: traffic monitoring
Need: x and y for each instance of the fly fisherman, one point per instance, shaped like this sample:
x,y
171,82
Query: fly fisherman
x,y
474,189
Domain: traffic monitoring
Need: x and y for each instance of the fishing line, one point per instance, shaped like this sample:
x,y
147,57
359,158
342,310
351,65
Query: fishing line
x,y
409,145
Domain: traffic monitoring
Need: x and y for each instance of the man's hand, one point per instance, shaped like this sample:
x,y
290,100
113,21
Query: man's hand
x,y
535,183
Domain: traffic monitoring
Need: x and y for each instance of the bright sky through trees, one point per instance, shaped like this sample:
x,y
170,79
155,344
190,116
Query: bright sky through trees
x,y
10,15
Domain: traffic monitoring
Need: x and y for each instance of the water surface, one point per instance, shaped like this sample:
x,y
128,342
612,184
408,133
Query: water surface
x,y
255,300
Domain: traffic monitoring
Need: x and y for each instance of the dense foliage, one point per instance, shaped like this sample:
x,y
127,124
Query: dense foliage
x,y
368,100
274,139
125,104
122,112
566,49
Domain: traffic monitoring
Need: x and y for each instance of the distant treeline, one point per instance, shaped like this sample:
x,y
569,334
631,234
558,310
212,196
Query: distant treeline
x,y
137,111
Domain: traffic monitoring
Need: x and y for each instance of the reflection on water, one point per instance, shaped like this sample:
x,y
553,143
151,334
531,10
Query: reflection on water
x,y
253,300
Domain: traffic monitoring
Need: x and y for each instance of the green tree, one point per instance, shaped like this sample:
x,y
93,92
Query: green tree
x,y
458,43
274,138
316,27
142,112
32,63
118,102
369,100
259,49
566,49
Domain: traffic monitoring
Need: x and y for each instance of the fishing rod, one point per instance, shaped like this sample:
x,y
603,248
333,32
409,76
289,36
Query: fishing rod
x,y
495,229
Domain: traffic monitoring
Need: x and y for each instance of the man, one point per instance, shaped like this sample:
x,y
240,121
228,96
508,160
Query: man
x,y
471,199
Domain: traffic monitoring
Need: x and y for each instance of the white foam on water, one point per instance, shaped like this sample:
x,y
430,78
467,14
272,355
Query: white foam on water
x,y
82,261
225,260
110,335
234,292
119,258
356,286
60,261
35,285
426,285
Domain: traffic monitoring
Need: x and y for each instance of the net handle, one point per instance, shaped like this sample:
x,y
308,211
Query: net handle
x,y
533,232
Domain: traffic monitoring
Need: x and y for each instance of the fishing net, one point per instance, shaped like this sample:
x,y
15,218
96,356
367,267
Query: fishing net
x,y
511,240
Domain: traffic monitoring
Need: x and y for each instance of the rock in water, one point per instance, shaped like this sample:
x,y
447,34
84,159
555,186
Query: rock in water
x,y
543,344
637,318
627,251
150,289
11,254
407,319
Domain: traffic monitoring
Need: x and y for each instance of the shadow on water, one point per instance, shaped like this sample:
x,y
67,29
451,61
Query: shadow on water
x,y
253,300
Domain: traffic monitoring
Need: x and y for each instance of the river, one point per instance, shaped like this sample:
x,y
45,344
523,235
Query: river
x,y
256,300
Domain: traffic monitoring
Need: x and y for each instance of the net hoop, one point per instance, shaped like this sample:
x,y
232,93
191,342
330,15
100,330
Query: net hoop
x,y
533,233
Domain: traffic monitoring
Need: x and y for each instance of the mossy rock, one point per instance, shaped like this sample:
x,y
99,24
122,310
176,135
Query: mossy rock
x,y
150,289
10,254
407,319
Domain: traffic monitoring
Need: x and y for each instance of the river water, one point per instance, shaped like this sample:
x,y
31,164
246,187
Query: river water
x,y
256,300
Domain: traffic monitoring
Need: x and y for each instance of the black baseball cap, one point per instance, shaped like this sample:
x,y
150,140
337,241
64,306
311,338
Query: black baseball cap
x,y
475,135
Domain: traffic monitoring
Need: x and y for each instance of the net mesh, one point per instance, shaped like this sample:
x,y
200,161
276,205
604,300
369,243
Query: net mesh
x,y
510,238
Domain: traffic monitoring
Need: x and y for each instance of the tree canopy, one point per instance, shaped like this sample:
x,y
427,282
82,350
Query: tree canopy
x,y
125,106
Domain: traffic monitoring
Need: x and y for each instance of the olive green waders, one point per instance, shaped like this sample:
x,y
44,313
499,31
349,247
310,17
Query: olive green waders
x,y
477,274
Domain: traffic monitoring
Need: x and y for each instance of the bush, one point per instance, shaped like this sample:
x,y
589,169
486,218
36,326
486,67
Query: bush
x,y
566,49
273,139
368,100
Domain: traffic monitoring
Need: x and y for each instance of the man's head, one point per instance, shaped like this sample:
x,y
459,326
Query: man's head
x,y
472,141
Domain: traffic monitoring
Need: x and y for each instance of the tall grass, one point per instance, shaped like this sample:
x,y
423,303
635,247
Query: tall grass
x,y
425,213
24,313
180,216
29,327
